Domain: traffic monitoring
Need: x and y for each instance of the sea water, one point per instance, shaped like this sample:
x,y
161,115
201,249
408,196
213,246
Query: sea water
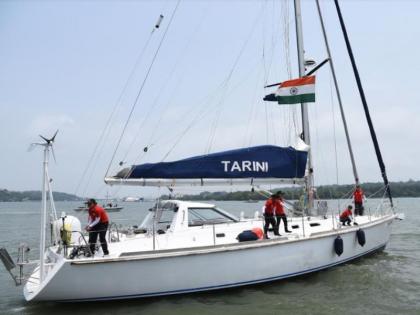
x,y
385,283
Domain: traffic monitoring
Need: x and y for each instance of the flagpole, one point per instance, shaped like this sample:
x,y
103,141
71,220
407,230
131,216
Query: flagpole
x,y
304,107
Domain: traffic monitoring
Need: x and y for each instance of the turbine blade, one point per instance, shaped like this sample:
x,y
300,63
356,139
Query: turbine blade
x,y
53,138
46,140
53,154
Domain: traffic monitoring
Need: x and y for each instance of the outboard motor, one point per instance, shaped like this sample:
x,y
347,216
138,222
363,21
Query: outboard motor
x,y
361,238
338,245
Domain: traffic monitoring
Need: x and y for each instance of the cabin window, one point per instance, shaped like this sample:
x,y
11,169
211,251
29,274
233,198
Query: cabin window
x,y
203,216
166,216
162,214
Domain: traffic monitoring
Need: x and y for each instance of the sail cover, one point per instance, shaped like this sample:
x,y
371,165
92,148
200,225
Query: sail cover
x,y
255,162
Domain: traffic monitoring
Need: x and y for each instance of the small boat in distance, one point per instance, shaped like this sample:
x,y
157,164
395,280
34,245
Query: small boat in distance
x,y
132,199
109,207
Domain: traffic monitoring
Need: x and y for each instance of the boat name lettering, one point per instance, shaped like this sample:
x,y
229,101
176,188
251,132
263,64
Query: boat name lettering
x,y
244,166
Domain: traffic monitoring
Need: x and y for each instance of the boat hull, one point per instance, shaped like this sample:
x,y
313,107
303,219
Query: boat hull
x,y
210,268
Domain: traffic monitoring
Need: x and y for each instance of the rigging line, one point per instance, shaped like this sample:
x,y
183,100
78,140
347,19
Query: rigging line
x,y
274,43
288,62
226,92
200,109
343,117
99,190
142,86
251,117
179,136
286,36
266,67
248,76
183,134
199,117
231,73
201,112
273,123
266,122
333,115
313,112
179,59
334,132
347,194
375,193
218,110
102,136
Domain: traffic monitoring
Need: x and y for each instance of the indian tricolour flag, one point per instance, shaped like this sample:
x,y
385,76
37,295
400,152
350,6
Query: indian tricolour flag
x,y
300,90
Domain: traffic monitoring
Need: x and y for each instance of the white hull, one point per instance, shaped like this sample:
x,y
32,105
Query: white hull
x,y
204,268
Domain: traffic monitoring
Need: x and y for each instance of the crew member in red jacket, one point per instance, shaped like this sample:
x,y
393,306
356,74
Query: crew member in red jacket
x,y
358,196
97,224
269,211
345,216
280,214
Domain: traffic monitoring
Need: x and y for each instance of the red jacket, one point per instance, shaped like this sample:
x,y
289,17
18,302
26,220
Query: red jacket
x,y
358,195
279,210
97,211
274,207
346,213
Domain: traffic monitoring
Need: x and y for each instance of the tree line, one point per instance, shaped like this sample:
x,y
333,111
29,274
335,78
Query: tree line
x,y
33,195
409,188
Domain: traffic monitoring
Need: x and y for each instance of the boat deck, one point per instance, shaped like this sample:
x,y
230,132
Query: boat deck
x,y
220,235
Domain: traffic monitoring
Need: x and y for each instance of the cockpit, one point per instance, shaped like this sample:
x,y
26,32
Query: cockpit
x,y
179,215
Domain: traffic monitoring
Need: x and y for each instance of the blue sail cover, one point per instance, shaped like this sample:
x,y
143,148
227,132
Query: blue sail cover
x,y
255,162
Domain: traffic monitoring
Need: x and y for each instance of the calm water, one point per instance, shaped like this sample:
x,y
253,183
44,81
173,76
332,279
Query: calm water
x,y
387,283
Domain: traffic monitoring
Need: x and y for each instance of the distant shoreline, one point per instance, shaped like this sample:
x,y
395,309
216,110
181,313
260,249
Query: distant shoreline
x,y
408,189
33,195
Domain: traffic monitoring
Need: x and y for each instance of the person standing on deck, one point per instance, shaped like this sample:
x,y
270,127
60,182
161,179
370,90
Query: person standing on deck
x,y
280,214
345,216
97,225
358,196
269,211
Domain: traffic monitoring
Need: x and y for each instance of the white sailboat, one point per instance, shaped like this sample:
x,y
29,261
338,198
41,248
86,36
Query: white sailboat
x,y
186,247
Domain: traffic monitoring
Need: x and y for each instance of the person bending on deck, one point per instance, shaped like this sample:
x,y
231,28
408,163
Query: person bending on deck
x,y
97,224
280,214
345,216
358,196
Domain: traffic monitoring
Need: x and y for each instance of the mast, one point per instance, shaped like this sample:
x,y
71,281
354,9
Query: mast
x,y
304,106
327,46
43,212
45,186
365,105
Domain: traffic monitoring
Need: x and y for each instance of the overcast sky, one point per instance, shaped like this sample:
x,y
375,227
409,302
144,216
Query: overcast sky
x,y
64,65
